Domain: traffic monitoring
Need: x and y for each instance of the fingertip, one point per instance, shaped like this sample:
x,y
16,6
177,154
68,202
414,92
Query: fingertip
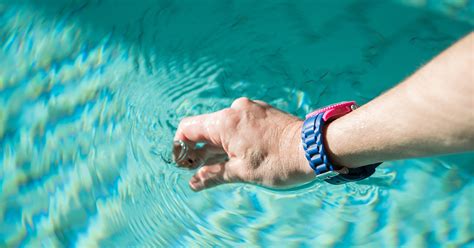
x,y
195,186
195,183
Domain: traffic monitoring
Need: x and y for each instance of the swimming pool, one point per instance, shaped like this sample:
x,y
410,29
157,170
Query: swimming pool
x,y
91,93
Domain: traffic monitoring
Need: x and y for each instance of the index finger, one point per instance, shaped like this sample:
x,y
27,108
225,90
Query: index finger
x,y
201,128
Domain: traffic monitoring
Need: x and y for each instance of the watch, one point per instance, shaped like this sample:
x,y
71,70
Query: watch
x,y
315,151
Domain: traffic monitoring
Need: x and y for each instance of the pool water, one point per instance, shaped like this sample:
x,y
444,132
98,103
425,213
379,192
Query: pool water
x,y
91,93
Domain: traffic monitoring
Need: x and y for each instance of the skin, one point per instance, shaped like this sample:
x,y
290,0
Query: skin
x,y
430,113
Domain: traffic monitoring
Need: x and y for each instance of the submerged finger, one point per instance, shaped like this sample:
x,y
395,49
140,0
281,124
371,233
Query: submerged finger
x,y
212,175
189,157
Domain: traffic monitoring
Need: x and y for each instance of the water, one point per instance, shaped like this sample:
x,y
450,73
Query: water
x,y
91,93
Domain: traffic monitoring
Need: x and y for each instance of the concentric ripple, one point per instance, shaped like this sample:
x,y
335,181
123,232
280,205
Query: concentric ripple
x,y
91,93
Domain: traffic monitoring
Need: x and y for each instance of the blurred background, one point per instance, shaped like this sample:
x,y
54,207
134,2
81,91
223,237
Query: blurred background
x,y
91,93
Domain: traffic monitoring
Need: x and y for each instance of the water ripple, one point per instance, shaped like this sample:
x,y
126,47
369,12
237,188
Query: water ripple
x,y
87,118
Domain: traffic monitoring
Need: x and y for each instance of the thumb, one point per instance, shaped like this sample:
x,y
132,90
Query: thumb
x,y
212,175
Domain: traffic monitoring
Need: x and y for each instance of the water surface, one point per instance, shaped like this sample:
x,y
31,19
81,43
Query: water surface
x,y
91,93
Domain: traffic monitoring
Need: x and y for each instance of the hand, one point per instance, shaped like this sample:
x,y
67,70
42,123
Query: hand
x,y
248,142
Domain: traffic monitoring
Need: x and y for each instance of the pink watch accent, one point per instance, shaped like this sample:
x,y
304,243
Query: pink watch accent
x,y
334,111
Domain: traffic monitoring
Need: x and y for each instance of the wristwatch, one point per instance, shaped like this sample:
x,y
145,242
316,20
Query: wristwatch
x,y
315,151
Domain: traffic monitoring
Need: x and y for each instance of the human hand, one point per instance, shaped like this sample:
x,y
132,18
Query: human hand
x,y
249,142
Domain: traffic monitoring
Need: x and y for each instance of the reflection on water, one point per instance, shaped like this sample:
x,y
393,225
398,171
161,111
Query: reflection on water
x,y
91,93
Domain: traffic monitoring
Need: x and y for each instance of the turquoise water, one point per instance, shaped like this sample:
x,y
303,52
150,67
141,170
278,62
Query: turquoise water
x,y
91,93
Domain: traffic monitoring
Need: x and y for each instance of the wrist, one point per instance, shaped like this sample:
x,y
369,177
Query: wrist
x,y
332,138
340,146
297,159
315,143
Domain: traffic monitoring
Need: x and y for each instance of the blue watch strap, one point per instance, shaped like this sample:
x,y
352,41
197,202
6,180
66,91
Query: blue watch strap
x,y
315,152
313,144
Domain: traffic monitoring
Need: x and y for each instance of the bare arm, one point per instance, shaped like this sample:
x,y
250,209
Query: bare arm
x,y
430,113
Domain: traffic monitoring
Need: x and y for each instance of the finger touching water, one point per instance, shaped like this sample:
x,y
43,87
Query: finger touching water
x,y
200,128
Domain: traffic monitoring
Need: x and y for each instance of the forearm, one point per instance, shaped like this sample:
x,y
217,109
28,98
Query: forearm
x,y
430,113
